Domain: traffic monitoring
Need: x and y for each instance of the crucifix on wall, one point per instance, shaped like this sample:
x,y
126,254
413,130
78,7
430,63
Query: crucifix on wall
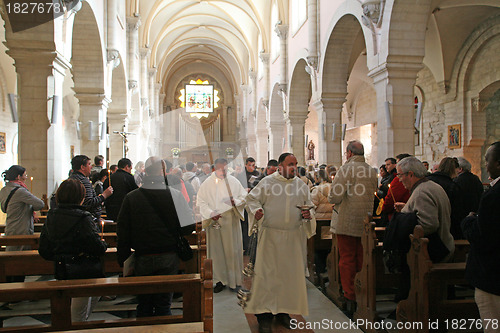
x,y
124,136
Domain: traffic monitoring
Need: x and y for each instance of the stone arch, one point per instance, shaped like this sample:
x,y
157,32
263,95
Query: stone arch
x,y
88,65
347,41
87,60
299,97
404,21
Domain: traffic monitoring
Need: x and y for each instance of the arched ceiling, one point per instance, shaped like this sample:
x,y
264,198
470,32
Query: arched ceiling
x,y
220,33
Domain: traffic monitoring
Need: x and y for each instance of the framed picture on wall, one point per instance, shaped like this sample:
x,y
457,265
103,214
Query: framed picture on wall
x,y
455,136
3,143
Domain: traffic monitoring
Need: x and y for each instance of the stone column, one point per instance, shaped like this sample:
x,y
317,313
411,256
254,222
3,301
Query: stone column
x,y
93,114
112,33
144,52
282,32
35,66
276,131
133,24
262,146
312,19
395,84
264,57
151,91
296,130
329,110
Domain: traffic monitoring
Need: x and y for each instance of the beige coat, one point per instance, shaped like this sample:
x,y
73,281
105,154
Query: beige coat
x,y
319,196
352,192
433,209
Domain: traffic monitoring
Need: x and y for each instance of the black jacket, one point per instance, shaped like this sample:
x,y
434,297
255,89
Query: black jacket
x,y
472,189
456,196
70,230
92,202
139,226
122,183
483,232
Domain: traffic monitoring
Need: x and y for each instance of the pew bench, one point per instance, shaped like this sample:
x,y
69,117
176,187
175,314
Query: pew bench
x,y
34,240
428,298
372,275
196,289
13,263
321,241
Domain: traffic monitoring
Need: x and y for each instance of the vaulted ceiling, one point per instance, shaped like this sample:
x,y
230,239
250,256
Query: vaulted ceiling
x,y
222,34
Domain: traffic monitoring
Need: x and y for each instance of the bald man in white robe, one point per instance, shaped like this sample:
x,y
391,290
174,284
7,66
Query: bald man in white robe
x,y
221,199
279,283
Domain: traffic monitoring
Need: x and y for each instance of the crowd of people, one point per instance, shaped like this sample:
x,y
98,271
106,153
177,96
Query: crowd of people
x,y
280,203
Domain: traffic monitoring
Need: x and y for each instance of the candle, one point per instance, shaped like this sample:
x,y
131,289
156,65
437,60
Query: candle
x,y
376,195
109,177
102,229
31,181
392,194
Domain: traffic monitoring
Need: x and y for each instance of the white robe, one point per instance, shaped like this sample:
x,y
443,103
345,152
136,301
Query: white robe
x,y
279,283
224,245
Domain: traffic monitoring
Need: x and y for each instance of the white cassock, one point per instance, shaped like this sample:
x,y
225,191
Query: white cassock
x,y
279,283
224,245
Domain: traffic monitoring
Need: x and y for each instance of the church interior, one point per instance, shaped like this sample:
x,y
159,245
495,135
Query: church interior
x,y
197,80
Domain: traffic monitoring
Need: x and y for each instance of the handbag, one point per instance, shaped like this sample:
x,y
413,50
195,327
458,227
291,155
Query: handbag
x,y
71,267
183,249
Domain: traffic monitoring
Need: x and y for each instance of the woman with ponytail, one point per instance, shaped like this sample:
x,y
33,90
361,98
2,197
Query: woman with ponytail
x,y
19,204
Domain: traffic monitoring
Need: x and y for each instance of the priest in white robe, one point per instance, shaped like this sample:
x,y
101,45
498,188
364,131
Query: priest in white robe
x,y
279,283
221,199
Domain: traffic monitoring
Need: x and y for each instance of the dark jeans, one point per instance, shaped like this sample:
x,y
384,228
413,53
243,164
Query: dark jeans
x,y
162,264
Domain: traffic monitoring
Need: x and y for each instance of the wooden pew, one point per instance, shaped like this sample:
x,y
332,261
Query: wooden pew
x,y
334,289
14,263
320,241
429,285
372,274
196,289
34,240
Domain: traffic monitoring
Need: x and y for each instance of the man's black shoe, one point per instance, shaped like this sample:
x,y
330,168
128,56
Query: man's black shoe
x,y
284,320
265,326
219,287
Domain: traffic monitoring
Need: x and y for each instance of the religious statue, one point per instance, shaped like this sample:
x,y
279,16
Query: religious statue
x,y
310,150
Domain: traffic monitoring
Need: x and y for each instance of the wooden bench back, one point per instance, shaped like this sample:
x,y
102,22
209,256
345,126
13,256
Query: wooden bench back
x,y
428,297
196,289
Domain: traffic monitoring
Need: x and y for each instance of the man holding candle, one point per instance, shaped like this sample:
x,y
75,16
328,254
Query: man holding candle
x,y
221,199
279,283
81,166
396,191
352,193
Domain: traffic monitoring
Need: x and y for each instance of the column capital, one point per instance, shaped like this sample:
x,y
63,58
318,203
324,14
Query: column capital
x,y
113,57
144,52
85,98
252,74
133,22
399,67
281,30
152,71
264,57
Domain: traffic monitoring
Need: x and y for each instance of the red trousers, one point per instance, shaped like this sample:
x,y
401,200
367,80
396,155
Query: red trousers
x,y
350,262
